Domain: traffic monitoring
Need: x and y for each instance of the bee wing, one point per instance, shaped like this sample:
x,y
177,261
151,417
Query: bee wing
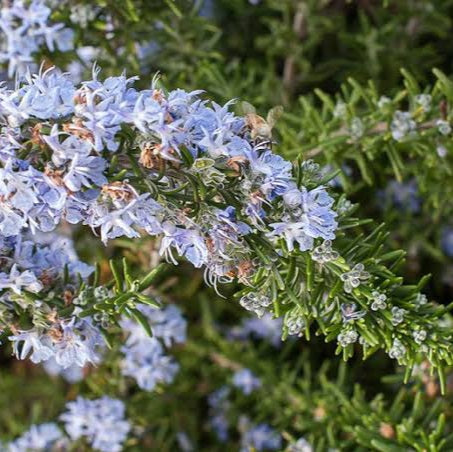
x,y
247,108
273,115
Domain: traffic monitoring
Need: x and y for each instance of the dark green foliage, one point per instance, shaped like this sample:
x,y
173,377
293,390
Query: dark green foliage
x,y
309,56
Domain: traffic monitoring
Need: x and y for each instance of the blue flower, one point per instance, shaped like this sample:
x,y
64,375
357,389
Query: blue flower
x,y
84,171
18,281
187,242
39,345
26,27
147,364
77,343
447,241
246,381
39,437
266,328
144,358
101,422
220,425
404,195
259,437
72,374
312,217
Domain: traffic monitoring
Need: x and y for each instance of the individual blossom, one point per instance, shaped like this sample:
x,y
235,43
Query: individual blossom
x,y
220,425
246,381
441,151
324,253
76,341
353,278
397,315
260,437
184,442
398,350
405,196
148,366
72,374
120,210
350,313
379,301
443,127
72,341
218,406
45,95
18,281
420,300
100,421
347,337
256,303
294,323
301,445
424,101
419,336
35,345
340,110
266,328
402,125
383,102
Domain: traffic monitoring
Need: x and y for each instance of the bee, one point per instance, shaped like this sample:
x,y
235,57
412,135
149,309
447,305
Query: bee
x,y
56,333
259,127
150,156
235,163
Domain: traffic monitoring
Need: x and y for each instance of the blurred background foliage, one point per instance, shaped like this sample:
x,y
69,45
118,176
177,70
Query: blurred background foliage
x,y
308,55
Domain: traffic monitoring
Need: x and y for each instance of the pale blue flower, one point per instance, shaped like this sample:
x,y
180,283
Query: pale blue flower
x,y
144,357
447,241
18,281
72,374
101,422
312,217
35,344
246,381
85,171
26,27
41,437
259,437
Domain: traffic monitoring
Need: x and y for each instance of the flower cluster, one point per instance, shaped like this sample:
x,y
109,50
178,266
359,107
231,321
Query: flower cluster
x,y
39,437
144,358
36,270
218,409
246,381
101,422
71,374
58,143
266,328
25,27
258,437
